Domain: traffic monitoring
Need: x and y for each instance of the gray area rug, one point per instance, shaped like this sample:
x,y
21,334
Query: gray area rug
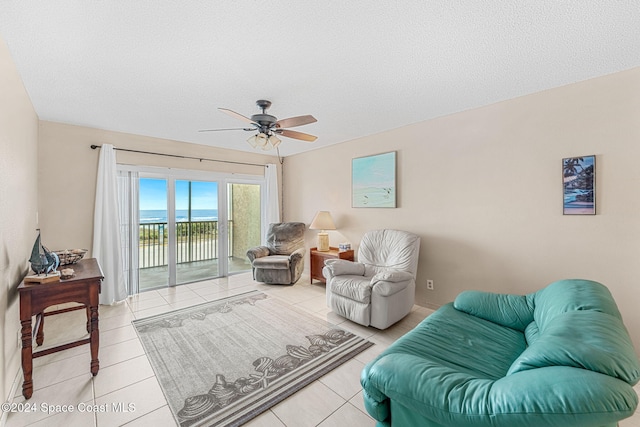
x,y
226,361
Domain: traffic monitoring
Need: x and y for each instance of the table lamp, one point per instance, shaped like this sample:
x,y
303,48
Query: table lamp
x,y
322,221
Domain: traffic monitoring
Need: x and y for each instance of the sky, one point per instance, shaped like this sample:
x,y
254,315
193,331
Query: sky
x,y
153,194
374,171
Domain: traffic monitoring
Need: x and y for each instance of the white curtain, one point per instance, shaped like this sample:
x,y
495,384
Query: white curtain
x,y
128,189
273,205
107,248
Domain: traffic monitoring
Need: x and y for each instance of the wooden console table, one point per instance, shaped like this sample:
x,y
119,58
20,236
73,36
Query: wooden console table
x,y
83,288
317,259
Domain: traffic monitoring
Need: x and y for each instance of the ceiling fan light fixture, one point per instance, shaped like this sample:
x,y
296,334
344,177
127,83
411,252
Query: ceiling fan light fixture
x,y
269,128
261,140
274,140
253,141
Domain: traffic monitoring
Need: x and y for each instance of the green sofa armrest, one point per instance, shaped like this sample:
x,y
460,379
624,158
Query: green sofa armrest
x,y
512,311
562,396
553,396
422,385
589,340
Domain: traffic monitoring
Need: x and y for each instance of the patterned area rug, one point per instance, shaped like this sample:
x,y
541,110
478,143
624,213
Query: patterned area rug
x,y
226,361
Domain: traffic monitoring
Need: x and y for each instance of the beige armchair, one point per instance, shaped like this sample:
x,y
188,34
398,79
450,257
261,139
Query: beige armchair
x,y
379,289
281,261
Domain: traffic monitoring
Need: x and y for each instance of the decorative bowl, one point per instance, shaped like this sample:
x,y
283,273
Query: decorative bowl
x,y
66,273
70,256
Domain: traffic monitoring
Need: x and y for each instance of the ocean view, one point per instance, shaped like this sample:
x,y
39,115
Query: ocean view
x,y
182,215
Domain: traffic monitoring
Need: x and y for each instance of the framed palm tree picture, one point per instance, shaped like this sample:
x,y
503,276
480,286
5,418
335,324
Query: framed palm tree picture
x,y
579,185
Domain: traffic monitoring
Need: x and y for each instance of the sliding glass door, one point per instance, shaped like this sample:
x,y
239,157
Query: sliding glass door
x,y
154,233
196,226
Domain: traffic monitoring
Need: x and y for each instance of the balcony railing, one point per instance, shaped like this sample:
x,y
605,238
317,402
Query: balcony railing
x,y
195,241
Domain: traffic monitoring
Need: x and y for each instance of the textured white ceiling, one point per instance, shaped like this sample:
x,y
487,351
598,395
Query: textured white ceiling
x,y
161,68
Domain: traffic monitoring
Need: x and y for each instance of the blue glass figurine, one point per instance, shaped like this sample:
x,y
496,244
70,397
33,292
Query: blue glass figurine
x,y
42,260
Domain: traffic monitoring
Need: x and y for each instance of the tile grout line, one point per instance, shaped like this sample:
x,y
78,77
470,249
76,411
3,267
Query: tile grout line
x,y
125,386
331,414
93,393
275,415
149,413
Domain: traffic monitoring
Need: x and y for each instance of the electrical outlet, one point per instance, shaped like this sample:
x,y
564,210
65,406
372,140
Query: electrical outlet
x,y
430,284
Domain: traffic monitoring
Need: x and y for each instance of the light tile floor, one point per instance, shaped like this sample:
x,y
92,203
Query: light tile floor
x,y
126,377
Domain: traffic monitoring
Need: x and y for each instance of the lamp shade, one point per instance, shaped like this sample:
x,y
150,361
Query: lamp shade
x,y
322,221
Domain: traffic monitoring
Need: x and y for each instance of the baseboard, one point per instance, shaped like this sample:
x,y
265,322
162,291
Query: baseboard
x,y
432,306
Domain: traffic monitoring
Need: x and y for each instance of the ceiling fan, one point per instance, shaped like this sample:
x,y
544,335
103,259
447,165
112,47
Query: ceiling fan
x,y
268,127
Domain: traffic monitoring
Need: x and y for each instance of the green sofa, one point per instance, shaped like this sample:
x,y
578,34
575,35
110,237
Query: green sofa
x,y
558,357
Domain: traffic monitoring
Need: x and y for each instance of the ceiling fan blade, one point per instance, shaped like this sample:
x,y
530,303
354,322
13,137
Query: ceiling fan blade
x,y
295,121
297,135
236,115
216,130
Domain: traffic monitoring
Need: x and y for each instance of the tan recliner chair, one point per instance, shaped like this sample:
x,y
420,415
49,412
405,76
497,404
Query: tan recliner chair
x,y
281,261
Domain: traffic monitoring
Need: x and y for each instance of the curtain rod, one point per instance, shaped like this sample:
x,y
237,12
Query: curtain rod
x,y
93,147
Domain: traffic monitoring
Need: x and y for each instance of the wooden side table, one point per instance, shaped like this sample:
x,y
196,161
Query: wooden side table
x,y
318,258
83,288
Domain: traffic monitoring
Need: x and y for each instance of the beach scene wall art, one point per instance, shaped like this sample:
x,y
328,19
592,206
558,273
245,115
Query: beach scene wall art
x,y
373,181
579,185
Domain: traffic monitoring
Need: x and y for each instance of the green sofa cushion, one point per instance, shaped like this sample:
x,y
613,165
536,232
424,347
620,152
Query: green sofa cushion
x,y
583,339
512,311
462,342
571,295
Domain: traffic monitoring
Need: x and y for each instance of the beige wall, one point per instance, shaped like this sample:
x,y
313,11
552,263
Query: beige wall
x,y
18,206
68,168
483,190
